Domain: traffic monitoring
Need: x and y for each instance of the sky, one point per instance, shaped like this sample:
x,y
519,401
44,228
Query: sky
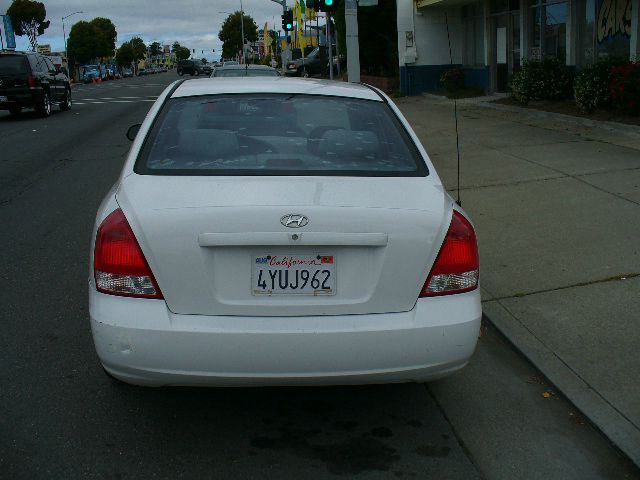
x,y
193,23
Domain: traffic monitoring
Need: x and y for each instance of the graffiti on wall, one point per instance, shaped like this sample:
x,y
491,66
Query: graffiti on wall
x,y
614,18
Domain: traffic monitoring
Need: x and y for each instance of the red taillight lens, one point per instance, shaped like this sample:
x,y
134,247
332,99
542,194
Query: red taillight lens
x,y
456,268
119,265
31,81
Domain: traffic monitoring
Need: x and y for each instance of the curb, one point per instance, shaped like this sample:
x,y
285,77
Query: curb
x,y
633,130
611,423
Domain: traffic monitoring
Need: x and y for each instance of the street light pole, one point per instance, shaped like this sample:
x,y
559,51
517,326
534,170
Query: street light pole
x,y
64,35
242,30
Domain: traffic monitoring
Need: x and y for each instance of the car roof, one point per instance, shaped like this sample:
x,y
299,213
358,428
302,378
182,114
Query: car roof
x,y
222,85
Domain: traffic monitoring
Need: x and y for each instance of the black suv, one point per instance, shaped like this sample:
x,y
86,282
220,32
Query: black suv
x,y
30,80
191,67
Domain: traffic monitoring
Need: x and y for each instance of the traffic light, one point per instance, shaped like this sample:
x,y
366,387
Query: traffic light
x,y
287,21
321,5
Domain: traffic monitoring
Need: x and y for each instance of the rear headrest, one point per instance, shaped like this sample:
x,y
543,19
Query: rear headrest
x,y
208,143
348,143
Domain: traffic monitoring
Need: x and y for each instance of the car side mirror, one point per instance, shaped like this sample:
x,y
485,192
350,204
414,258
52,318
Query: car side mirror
x,y
133,131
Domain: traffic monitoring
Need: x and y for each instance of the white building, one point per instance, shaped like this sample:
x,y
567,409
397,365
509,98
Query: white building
x,y
491,38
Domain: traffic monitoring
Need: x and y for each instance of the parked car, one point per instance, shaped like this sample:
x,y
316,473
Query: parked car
x,y
30,80
88,73
190,67
322,251
143,71
113,72
127,72
245,71
207,68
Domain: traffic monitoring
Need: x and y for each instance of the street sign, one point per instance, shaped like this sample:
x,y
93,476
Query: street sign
x,y
7,37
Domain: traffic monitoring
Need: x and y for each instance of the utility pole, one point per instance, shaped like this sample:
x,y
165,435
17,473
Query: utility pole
x,y
285,55
353,44
242,31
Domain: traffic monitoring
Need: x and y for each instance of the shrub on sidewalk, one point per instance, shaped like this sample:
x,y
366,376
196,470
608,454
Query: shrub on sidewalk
x,y
592,84
546,79
625,88
453,80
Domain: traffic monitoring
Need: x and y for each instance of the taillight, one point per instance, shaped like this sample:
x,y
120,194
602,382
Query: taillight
x,y
456,268
31,81
119,265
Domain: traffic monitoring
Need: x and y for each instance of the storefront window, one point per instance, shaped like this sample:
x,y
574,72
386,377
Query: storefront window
x,y
548,30
586,31
604,30
613,28
498,6
473,23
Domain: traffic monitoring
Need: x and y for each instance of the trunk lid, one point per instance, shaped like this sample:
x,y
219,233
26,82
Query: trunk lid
x,y
202,235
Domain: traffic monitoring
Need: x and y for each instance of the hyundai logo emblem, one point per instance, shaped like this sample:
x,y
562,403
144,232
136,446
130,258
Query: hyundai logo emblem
x,y
294,220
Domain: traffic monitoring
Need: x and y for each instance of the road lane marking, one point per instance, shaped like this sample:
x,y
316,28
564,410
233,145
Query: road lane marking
x,y
113,99
95,101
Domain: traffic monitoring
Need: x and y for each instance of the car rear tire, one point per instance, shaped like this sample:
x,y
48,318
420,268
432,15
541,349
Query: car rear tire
x,y
196,72
15,111
180,72
66,103
44,107
304,73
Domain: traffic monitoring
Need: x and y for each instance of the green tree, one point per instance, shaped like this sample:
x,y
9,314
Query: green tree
x,y
230,33
81,45
182,53
106,35
139,48
28,18
155,49
125,55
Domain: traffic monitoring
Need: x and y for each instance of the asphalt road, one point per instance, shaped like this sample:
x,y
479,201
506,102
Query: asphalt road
x,y
61,417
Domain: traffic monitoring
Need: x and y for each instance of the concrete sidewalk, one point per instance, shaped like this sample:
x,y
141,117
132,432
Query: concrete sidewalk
x,y
556,204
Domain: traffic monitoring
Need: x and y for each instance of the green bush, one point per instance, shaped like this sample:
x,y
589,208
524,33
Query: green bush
x,y
546,79
592,85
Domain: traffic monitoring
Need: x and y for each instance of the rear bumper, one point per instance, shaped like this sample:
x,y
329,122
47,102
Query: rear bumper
x,y
141,342
22,98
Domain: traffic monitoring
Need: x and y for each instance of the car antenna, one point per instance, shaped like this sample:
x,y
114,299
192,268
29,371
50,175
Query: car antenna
x,y
455,112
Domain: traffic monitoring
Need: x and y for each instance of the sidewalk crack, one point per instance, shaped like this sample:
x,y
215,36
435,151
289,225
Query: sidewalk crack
x,y
615,278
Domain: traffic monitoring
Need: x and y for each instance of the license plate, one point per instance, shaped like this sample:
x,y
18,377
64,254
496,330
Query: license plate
x,y
293,275
3,99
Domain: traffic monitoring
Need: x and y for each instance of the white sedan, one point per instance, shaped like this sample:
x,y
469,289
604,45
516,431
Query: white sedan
x,y
280,232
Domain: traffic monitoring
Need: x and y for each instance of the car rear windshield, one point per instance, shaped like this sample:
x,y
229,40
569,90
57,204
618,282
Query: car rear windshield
x,y
246,72
13,65
278,134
